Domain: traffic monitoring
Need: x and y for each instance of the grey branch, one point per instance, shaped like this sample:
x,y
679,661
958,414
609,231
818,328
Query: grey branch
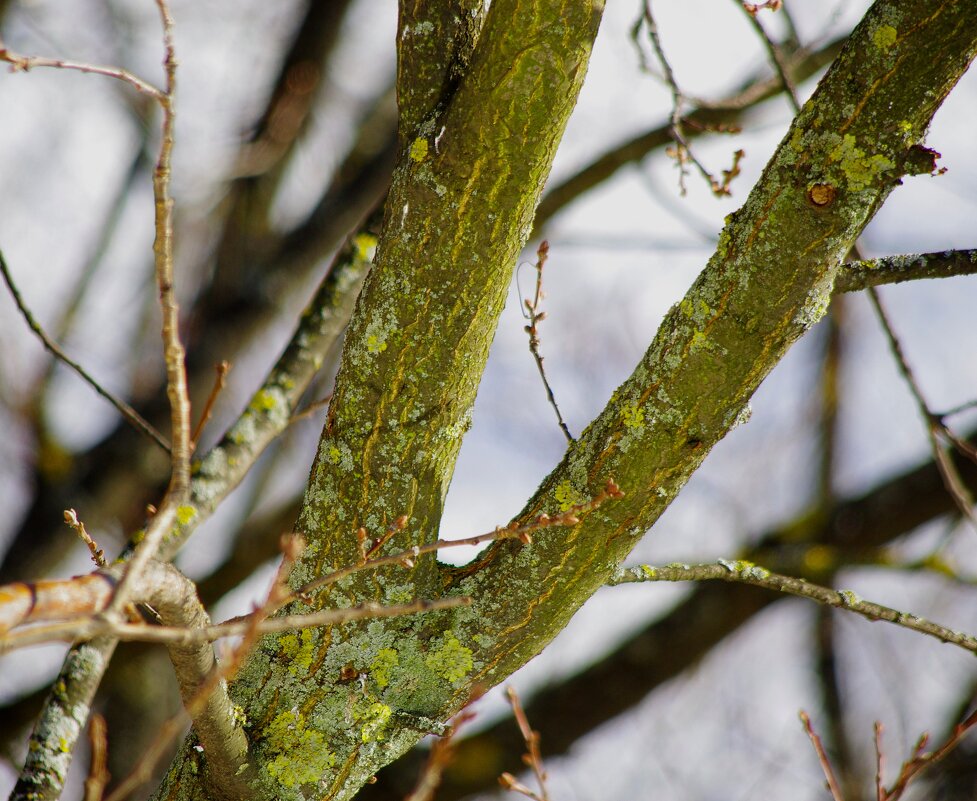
x,y
858,275
744,572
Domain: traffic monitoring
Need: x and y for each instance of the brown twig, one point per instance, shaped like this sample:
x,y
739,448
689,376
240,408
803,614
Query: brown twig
x,y
535,318
20,63
533,758
879,763
220,379
681,151
71,518
822,757
777,60
128,413
311,409
98,774
174,355
920,761
522,532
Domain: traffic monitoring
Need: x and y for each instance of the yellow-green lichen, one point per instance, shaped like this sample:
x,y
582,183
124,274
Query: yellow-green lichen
x,y
263,401
334,454
885,36
375,345
566,495
699,342
301,756
633,416
849,598
722,246
382,665
185,514
418,149
649,572
365,245
299,650
373,722
860,170
452,661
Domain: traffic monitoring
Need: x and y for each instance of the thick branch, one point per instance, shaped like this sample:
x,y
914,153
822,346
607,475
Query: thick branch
x,y
769,281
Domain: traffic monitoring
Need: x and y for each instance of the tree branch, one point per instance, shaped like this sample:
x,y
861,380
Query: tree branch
x,y
748,573
128,413
769,281
858,275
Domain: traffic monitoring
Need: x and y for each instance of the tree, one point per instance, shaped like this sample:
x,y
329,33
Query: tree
x,y
483,100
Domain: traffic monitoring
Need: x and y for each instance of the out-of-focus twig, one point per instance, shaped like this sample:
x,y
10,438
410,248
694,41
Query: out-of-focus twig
x,y
130,414
532,758
935,427
98,774
822,757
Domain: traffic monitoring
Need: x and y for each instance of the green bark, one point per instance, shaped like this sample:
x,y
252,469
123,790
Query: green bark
x,y
459,211
769,281
327,708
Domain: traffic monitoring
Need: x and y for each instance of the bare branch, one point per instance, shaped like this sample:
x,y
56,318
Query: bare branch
x,y
748,573
858,275
20,63
822,757
533,758
220,379
935,427
128,413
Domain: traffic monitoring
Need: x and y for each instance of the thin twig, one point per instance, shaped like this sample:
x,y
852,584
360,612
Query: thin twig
x,y
178,491
935,428
682,152
879,763
523,533
740,571
920,761
220,379
533,758
91,628
535,318
822,757
71,518
98,774
128,413
311,409
777,60
20,63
